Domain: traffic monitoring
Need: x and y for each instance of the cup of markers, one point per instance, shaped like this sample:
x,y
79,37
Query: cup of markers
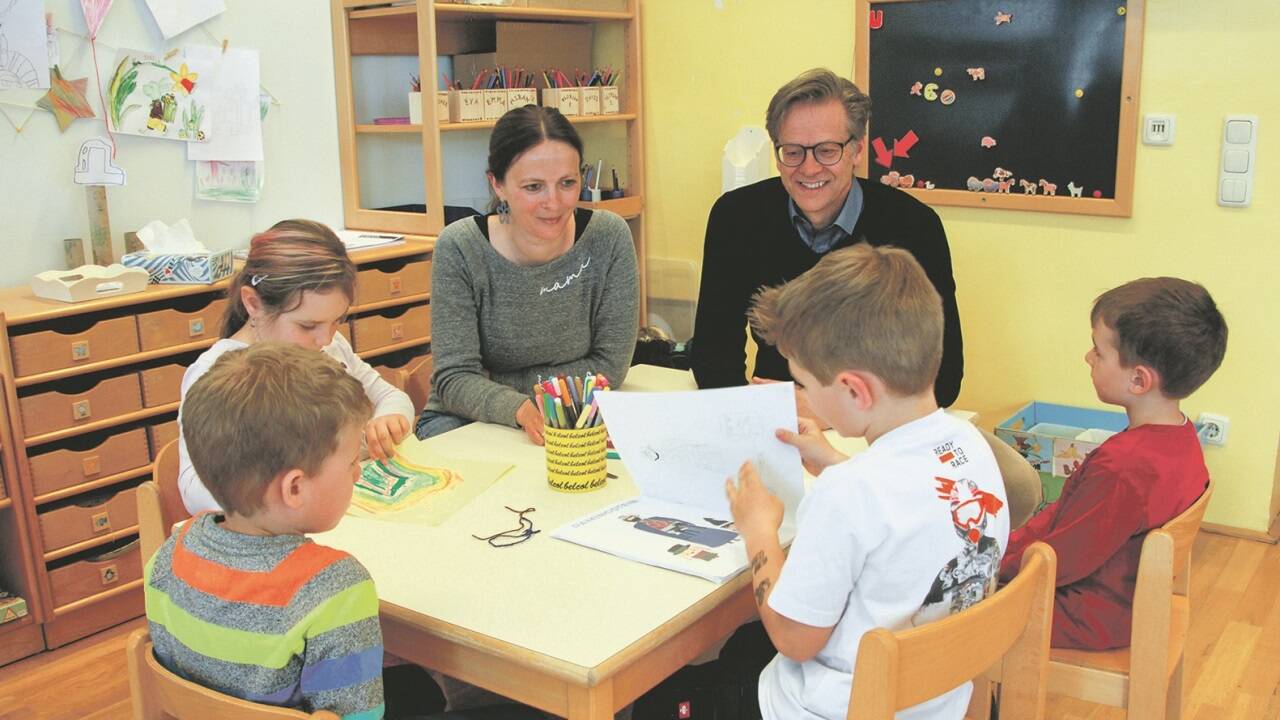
x,y
575,438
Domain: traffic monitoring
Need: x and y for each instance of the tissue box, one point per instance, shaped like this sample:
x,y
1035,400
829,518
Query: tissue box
x,y
12,608
1057,438
182,268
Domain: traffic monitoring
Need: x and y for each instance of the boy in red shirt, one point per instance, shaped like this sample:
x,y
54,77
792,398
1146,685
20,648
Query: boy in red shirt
x,y
1155,341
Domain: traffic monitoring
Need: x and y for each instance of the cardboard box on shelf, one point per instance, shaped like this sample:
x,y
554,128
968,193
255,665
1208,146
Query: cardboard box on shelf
x,y
533,46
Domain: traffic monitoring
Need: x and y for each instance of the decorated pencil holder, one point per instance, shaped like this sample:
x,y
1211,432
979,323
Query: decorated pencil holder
x,y
610,104
576,458
442,106
466,105
590,100
567,100
495,103
519,97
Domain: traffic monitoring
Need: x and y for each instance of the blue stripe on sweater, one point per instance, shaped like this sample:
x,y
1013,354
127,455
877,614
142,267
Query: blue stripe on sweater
x,y
341,672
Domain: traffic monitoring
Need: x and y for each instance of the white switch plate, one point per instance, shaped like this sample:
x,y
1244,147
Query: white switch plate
x,y
1157,129
1239,158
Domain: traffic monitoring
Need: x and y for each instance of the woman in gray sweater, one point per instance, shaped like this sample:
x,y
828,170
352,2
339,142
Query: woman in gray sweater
x,y
537,288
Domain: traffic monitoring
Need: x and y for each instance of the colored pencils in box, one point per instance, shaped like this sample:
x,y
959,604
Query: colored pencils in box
x,y
569,401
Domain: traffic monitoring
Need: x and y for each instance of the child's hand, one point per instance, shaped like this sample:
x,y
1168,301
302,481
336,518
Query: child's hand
x,y
383,433
756,511
816,452
802,403
530,420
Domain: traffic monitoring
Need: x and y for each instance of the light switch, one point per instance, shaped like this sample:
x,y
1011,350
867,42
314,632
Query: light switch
x,y
1235,161
1233,190
1239,132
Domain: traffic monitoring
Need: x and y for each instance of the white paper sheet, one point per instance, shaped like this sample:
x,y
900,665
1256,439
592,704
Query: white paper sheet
x,y
176,16
680,446
159,96
24,51
231,90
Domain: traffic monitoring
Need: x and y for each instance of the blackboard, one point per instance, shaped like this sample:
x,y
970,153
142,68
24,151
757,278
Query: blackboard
x,y
1018,104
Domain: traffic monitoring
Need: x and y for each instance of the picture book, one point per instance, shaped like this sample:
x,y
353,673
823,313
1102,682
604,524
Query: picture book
x,y
680,448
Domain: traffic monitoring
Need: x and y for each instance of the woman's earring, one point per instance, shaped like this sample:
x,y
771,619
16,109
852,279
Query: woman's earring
x,y
504,212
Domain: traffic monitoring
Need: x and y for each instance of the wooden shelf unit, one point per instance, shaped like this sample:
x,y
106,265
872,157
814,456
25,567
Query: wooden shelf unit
x,y
425,29
24,563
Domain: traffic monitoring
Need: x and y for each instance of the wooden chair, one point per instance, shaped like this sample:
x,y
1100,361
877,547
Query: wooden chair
x,y
416,381
1022,484
1004,638
1146,677
158,694
160,501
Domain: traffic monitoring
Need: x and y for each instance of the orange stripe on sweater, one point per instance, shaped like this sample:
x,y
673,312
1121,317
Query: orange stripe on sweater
x,y
275,588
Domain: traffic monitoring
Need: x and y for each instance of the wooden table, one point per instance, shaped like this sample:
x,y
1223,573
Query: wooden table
x,y
566,629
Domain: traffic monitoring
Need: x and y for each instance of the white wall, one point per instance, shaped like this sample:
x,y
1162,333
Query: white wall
x,y
40,204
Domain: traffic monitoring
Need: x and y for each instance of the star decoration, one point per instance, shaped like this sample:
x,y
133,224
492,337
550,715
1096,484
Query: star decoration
x,y
65,99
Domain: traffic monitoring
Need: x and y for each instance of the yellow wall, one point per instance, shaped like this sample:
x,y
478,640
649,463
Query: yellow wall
x,y
1026,280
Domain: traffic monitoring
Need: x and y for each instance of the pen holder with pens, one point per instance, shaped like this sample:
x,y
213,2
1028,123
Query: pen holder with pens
x,y
576,458
610,103
568,100
466,105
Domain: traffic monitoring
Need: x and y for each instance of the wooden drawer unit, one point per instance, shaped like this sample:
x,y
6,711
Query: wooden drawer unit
x,y
66,467
97,574
108,513
49,350
391,327
393,280
49,411
160,435
162,385
179,326
345,331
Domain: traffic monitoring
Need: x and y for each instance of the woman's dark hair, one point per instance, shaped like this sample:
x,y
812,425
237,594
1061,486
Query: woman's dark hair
x,y
523,128
290,258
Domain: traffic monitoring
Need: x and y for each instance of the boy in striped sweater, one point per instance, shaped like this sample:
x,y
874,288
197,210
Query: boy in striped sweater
x,y
240,601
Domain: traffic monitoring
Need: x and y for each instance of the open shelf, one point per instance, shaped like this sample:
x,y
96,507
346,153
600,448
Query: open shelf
x,y
628,207
385,349
450,11
371,129
575,119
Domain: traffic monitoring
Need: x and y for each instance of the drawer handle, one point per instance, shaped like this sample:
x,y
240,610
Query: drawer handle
x,y
101,522
397,284
195,327
92,465
80,410
79,350
397,331
109,574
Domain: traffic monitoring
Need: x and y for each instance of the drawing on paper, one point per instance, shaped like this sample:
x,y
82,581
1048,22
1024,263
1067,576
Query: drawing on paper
x,y
229,181
397,484
24,52
149,97
681,530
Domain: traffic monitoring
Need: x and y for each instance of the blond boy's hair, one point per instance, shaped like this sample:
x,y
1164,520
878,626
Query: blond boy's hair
x,y
1168,324
860,308
265,410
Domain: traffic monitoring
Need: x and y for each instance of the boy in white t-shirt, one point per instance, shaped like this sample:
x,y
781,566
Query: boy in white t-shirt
x,y
907,532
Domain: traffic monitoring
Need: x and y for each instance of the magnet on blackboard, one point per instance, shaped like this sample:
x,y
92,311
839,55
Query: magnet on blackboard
x,y
890,178
931,92
915,89
906,181
1074,189
1121,10
988,142
937,72
1097,193
1079,92
973,184
928,185
947,97
1048,187
977,73
1003,18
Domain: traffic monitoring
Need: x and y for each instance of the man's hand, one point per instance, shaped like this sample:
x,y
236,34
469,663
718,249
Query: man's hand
x,y
816,452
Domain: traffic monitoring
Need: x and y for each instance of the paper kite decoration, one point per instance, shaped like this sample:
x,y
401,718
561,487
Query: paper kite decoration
x,y
65,99
95,11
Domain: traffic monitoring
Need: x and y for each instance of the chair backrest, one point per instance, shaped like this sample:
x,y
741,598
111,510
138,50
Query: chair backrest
x,y
1006,634
158,693
160,501
417,381
1022,484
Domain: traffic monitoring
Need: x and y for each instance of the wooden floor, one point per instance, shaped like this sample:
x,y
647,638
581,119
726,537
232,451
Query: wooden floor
x,y
1233,653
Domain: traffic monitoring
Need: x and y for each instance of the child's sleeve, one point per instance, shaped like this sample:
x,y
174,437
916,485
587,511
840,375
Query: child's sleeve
x,y
1089,525
342,664
825,561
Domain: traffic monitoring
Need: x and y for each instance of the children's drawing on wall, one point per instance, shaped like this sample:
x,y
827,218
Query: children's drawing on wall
x,y
24,52
229,181
153,97
94,165
418,487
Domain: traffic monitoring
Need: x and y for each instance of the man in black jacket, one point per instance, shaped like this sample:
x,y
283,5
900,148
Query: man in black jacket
x,y
773,231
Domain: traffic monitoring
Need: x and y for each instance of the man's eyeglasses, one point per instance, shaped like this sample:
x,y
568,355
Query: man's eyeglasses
x,y
515,536
826,153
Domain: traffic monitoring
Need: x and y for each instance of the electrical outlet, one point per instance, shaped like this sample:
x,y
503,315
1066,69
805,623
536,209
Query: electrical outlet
x,y
1213,428
1157,129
